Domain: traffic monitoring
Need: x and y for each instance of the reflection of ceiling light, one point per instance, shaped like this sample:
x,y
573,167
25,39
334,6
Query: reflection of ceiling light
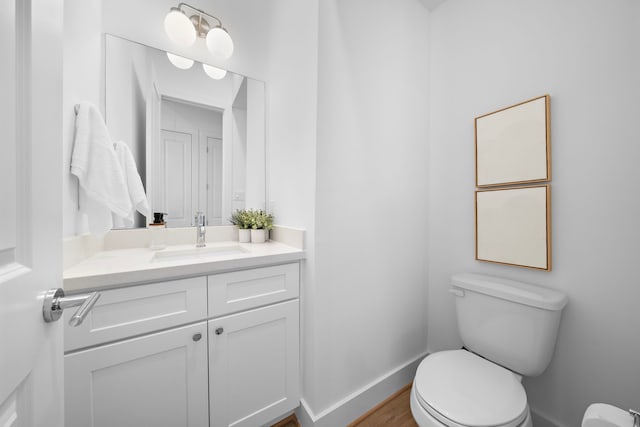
x,y
183,30
214,72
180,61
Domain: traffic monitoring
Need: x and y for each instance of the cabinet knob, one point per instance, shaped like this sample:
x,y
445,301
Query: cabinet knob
x,y
219,331
197,337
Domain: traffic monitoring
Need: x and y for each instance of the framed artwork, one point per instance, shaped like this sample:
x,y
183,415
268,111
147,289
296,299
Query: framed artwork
x,y
513,145
513,226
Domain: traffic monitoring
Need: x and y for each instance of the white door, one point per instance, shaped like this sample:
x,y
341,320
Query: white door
x,y
31,371
179,186
155,380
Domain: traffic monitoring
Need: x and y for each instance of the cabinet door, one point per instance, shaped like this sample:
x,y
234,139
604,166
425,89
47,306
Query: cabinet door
x,y
254,365
155,380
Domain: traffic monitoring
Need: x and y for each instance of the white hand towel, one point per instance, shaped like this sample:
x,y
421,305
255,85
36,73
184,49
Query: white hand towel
x,y
103,189
137,194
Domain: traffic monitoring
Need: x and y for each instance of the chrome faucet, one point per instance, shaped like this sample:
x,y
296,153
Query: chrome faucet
x,y
201,229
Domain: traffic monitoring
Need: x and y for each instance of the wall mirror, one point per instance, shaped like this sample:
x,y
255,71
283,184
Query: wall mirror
x,y
513,144
197,132
513,226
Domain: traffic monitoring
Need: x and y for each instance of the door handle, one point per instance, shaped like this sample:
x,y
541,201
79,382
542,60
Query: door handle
x,y
55,302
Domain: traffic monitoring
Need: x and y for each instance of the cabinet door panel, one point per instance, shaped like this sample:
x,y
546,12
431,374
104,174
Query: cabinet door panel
x,y
242,290
254,365
156,380
137,310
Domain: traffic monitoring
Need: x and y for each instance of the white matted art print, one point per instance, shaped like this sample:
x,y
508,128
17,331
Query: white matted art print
x,y
513,145
513,226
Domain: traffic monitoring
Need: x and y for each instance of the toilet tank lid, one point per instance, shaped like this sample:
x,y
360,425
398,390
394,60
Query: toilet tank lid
x,y
511,290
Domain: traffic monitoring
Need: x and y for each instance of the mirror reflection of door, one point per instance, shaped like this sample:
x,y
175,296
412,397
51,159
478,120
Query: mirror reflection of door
x,y
189,158
154,106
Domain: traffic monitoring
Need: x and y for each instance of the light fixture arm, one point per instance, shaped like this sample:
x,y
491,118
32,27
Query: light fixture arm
x,y
201,12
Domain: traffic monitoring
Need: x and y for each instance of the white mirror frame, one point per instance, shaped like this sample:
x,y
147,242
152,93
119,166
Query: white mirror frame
x,y
513,226
513,144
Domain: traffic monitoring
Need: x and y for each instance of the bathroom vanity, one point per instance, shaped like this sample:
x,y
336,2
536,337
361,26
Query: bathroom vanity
x,y
185,338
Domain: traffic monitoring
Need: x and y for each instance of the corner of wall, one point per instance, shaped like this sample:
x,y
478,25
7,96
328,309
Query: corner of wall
x,y
360,401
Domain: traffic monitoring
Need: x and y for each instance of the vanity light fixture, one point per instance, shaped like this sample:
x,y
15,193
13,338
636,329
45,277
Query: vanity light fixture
x,y
180,61
183,30
214,72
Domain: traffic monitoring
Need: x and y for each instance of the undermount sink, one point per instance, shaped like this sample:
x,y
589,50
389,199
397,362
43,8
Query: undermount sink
x,y
198,253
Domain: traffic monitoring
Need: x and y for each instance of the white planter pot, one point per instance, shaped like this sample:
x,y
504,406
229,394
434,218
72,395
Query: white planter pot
x,y
244,236
258,236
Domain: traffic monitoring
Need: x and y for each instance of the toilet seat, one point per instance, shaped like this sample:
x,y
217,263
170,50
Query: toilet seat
x,y
461,389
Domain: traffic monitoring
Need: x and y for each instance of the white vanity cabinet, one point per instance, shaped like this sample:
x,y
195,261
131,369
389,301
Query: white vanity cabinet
x,y
216,350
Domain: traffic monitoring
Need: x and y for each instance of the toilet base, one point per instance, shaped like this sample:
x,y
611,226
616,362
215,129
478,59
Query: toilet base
x,y
425,419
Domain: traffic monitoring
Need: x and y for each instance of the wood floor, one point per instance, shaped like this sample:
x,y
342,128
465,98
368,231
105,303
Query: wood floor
x,y
392,412
290,421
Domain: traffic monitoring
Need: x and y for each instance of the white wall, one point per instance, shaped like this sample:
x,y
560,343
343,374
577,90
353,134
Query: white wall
x,y
128,77
188,118
83,68
585,54
191,85
254,191
369,296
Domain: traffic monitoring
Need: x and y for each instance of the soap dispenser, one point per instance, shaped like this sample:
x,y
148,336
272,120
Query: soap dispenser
x,y
156,228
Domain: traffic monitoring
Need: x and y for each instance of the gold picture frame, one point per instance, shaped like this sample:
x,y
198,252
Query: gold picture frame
x,y
513,226
513,144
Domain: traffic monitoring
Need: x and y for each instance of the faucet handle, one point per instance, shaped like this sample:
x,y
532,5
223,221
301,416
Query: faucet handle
x,y
200,219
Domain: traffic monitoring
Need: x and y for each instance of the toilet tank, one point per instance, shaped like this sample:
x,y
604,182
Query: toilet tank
x,y
511,323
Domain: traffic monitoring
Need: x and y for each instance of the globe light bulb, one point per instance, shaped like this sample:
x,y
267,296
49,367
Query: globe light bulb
x,y
219,43
179,28
214,72
180,61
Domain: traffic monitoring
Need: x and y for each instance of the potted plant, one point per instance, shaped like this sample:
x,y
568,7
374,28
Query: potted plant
x,y
261,223
242,219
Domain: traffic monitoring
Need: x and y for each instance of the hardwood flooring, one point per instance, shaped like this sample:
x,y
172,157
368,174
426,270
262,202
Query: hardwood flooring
x,y
290,421
392,412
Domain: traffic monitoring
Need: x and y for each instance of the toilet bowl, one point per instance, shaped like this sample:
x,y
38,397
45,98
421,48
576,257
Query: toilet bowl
x,y
460,389
605,415
509,329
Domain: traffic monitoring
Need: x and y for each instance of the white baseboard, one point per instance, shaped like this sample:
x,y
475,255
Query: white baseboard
x,y
357,403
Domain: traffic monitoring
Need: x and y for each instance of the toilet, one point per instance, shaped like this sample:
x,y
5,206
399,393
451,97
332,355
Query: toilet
x,y
509,330
605,415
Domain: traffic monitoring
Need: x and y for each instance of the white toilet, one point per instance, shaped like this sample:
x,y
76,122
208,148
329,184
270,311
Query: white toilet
x,y
508,329
605,415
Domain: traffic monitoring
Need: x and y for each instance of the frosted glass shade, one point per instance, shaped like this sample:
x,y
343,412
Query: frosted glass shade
x,y
214,72
219,43
179,28
180,61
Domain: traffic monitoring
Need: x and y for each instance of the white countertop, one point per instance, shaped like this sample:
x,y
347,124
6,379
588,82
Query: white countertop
x,y
124,267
